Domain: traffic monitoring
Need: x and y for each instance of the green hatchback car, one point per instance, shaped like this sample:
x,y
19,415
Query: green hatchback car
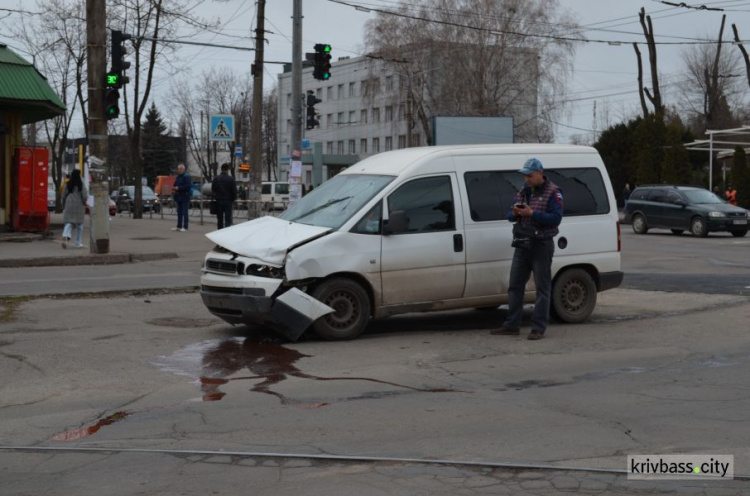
x,y
683,208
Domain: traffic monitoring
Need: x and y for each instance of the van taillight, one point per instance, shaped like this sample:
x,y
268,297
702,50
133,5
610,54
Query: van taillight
x,y
619,238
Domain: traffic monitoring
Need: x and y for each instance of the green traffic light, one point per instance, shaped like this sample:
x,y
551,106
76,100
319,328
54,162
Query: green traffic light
x,y
327,48
113,79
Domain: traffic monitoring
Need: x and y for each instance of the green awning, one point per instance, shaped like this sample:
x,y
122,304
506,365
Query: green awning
x,y
24,91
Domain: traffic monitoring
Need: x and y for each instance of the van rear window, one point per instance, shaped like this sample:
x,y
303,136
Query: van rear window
x,y
491,192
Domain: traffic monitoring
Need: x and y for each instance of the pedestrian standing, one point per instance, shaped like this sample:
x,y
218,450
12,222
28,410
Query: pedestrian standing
x,y
625,195
538,208
74,209
181,193
224,189
731,195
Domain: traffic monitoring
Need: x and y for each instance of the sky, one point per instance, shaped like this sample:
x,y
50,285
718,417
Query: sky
x,y
604,69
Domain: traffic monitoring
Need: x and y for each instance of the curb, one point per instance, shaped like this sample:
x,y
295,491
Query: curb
x,y
94,259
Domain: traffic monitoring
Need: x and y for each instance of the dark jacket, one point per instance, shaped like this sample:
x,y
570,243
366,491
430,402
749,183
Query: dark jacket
x,y
183,185
224,187
547,203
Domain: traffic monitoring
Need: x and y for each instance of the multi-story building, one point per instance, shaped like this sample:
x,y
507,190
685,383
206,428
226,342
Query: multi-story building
x,y
363,109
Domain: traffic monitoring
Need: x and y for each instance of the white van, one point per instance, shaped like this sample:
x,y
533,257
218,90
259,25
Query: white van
x,y
275,196
413,230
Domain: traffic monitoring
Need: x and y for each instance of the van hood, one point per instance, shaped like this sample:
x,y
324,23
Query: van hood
x,y
267,239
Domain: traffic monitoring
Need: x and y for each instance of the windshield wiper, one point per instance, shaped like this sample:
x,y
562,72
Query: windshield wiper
x,y
316,209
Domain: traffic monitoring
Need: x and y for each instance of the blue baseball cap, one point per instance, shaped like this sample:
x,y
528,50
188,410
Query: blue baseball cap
x,y
531,165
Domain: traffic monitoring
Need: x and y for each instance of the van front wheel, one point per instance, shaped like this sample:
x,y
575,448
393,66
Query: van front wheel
x,y
573,296
351,306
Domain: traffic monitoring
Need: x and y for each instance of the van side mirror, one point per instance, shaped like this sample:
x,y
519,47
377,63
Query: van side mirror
x,y
396,222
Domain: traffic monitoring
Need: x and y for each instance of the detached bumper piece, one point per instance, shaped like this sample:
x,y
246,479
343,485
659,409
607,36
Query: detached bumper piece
x,y
290,314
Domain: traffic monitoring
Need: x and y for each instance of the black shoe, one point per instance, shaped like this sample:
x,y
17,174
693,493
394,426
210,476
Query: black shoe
x,y
504,331
535,335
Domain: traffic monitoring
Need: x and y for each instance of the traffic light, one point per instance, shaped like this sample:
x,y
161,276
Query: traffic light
x,y
322,62
312,116
112,103
115,77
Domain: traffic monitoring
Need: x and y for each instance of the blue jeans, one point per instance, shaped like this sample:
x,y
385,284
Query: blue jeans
x,y
223,213
68,230
538,259
183,204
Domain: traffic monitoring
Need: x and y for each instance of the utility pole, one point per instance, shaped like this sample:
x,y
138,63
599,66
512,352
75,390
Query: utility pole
x,y
96,56
297,76
409,125
256,150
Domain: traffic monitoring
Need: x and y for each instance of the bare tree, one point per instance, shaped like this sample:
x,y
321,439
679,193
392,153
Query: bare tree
x,y
479,57
57,42
655,99
713,87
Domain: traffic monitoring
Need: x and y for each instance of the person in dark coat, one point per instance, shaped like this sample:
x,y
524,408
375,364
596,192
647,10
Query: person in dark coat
x,y
181,192
224,189
74,209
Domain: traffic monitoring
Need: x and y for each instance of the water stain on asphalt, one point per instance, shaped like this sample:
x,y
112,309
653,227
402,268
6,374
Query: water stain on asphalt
x,y
213,364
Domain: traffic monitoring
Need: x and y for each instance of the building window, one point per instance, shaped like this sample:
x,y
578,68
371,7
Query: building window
x,y
352,90
352,117
363,116
352,149
363,88
388,113
340,147
329,93
375,86
340,118
388,143
319,94
289,100
363,146
376,145
401,112
329,120
389,83
415,140
308,177
340,92
289,125
402,141
375,115
329,147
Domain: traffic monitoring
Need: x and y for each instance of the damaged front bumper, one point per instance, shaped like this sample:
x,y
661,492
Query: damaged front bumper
x,y
258,300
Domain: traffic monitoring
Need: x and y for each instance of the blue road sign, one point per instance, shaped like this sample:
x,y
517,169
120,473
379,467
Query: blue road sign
x,y
238,151
221,127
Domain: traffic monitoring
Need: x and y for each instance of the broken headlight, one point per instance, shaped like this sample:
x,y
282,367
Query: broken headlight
x,y
265,271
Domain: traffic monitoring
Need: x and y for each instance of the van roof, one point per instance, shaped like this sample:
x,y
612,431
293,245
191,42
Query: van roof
x,y
393,163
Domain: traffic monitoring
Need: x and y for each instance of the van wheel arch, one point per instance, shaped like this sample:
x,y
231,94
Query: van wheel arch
x,y
574,293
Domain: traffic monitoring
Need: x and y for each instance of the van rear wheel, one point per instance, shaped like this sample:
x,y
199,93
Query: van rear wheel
x,y
351,306
573,296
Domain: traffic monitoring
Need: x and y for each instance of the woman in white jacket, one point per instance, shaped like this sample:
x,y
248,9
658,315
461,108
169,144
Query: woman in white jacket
x,y
74,209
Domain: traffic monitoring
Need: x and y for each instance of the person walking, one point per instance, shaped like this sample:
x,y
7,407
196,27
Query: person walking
x,y
731,195
625,196
539,204
224,189
181,193
74,209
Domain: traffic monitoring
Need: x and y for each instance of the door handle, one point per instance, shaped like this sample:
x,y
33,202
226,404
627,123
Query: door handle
x,y
458,243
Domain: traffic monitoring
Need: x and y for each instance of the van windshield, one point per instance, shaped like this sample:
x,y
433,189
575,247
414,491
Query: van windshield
x,y
332,203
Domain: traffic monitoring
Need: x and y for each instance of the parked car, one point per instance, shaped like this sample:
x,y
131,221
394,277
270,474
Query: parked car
x,y
112,208
413,230
126,197
275,196
683,208
51,198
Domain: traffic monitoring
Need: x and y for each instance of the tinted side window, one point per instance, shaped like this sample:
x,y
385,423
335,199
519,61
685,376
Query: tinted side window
x,y
673,197
490,193
282,189
370,223
265,189
428,204
657,195
639,194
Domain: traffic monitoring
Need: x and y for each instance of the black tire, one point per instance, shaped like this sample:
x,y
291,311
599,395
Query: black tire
x,y
352,309
677,231
573,296
739,234
699,227
640,226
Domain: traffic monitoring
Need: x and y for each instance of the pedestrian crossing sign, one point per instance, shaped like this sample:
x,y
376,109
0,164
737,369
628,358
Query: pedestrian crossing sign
x,y
221,127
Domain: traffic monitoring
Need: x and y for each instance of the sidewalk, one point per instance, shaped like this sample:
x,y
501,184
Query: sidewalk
x,y
130,240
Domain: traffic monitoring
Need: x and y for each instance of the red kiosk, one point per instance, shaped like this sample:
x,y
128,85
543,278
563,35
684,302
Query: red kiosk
x,y
31,170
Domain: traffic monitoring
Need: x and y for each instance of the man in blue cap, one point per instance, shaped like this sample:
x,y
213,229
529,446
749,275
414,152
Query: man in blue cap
x,y
539,208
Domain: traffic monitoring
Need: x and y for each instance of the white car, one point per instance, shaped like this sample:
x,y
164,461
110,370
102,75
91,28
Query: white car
x,y
413,230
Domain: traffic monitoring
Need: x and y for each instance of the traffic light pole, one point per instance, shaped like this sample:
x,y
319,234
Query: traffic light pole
x,y
96,40
256,130
297,76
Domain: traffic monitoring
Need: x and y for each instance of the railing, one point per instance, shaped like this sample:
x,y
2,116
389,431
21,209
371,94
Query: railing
x,y
247,209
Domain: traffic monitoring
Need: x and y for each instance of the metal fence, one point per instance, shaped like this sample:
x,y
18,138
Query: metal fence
x,y
241,209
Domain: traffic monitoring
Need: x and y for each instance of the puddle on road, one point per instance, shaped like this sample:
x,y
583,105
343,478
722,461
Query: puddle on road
x,y
212,364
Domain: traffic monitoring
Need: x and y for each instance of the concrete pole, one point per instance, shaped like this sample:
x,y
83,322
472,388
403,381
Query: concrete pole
x,y
296,76
96,55
256,137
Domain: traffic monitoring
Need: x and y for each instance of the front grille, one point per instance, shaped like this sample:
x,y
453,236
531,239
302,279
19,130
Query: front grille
x,y
736,214
224,266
